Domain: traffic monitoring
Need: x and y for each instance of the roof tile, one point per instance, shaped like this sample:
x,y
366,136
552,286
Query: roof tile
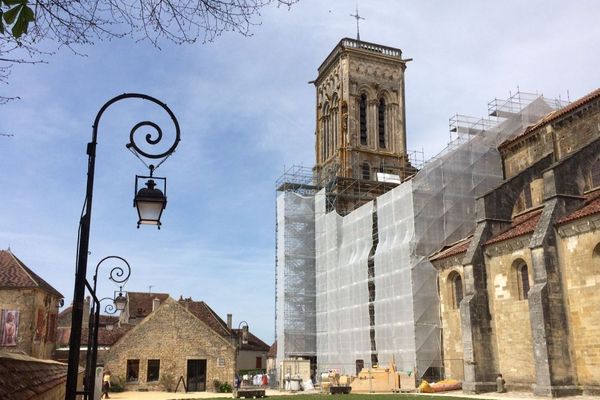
x,y
15,274
521,225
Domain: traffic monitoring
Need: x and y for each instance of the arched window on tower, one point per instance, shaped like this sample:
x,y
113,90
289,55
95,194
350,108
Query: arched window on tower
x,y
362,107
595,174
456,289
381,122
326,131
522,277
366,171
334,123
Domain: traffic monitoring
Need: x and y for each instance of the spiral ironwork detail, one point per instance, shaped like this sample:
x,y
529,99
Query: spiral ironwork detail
x,y
110,307
150,138
119,273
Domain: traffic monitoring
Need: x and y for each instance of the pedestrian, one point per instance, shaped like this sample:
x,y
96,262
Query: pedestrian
x,y
105,384
500,382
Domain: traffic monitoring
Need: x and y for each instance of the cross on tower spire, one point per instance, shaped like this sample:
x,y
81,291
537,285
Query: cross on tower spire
x,y
358,17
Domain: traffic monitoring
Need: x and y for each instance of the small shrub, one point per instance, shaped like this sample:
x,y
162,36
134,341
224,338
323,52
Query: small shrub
x,y
225,388
167,381
217,385
117,384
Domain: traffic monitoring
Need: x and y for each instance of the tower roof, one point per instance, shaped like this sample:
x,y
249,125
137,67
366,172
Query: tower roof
x,y
15,274
359,46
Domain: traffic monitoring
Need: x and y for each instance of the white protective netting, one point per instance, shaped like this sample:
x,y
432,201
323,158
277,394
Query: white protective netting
x,y
343,246
295,282
415,219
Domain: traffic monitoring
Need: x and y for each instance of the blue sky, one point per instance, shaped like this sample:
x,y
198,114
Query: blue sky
x,y
246,111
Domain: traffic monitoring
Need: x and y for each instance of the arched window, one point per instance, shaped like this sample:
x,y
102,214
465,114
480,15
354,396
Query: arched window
x,y
366,171
325,127
362,107
596,252
334,123
456,289
595,174
522,277
381,122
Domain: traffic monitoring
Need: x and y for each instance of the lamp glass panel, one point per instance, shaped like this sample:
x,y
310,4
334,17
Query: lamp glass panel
x,y
149,211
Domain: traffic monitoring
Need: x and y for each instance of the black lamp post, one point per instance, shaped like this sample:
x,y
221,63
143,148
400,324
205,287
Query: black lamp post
x,y
85,221
240,340
119,273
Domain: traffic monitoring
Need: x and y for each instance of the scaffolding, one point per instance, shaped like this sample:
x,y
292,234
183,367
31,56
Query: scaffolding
x,y
375,293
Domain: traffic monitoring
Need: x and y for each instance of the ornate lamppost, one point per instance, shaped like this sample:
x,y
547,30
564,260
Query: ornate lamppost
x,y
149,202
119,274
240,340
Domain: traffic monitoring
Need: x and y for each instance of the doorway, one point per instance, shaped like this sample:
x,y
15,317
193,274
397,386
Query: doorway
x,y
196,375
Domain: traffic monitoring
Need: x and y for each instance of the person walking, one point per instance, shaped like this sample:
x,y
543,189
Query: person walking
x,y
105,384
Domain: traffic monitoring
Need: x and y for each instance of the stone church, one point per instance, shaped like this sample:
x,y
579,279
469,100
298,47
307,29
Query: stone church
x,y
482,261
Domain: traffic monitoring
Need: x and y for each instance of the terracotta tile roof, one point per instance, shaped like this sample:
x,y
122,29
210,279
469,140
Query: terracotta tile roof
x,y
106,337
456,248
590,206
273,350
254,343
24,377
140,304
207,315
15,274
554,115
521,225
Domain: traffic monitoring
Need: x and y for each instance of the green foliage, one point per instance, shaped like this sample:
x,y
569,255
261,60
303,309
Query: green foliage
x,y
167,381
222,387
15,14
117,384
254,371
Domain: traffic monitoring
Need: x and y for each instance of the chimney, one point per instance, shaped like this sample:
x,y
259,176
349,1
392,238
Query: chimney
x,y
155,303
86,311
229,320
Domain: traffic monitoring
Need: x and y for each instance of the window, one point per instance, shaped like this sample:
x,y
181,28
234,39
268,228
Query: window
x,y
595,174
362,107
366,171
258,362
133,370
153,370
522,277
221,362
381,120
456,287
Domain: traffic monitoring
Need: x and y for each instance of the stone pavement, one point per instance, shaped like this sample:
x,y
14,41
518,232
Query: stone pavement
x,y
204,395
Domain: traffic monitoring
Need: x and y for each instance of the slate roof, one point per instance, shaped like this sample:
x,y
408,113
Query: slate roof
x,y
15,274
254,343
23,377
521,225
590,206
553,116
140,304
456,248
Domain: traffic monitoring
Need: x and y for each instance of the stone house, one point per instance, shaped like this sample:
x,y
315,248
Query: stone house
x,y
251,355
28,309
177,339
521,295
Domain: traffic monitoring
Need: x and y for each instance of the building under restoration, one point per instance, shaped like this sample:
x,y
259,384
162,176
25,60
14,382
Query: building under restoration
x,y
354,282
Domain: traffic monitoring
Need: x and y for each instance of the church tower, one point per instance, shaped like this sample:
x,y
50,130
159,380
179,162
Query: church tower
x,y
360,118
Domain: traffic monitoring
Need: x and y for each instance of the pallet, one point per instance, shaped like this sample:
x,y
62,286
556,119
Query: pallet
x,y
250,393
340,389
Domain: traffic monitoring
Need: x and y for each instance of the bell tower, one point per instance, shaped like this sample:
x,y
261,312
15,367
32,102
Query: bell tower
x,y
360,119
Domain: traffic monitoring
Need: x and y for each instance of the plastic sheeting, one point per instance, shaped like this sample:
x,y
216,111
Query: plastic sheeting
x,y
413,220
343,246
295,276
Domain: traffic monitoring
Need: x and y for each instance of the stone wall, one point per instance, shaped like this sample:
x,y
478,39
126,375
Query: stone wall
x,y
510,312
581,271
34,339
451,329
172,335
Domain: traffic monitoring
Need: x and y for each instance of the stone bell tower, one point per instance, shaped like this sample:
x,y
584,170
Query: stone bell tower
x,y
360,121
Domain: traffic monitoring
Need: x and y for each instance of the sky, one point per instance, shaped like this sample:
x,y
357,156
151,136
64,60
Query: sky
x,y
247,112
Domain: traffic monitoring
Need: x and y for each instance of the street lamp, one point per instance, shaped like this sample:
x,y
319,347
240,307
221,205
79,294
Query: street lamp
x,y
86,217
119,273
240,340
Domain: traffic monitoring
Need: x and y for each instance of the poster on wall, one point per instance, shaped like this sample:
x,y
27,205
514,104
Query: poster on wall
x,y
9,327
